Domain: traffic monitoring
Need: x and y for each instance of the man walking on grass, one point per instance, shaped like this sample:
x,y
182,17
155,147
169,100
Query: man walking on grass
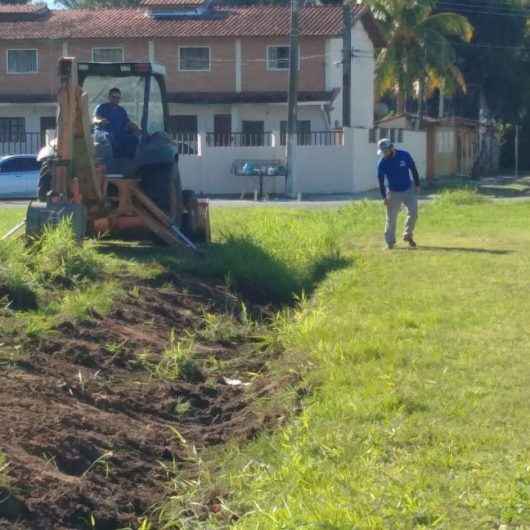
x,y
396,167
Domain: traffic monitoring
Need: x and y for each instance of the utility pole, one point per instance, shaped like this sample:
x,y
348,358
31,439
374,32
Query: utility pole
x,y
517,151
292,121
346,64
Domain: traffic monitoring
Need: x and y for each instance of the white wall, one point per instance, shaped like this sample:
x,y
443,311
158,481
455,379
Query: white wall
x,y
211,172
347,168
270,114
365,156
323,169
363,76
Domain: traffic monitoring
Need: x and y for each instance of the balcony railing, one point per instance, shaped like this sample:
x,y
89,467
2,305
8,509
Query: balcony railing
x,y
317,138
20,144
239,139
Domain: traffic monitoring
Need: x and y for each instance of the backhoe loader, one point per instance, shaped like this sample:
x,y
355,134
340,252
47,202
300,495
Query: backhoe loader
x,y
83,179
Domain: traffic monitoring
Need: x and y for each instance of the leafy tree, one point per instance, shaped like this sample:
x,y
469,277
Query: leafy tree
x,y
420,48
493,62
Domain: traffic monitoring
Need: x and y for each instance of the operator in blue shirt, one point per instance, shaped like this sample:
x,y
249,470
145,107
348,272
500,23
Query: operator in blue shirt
x,y
113,118
397,187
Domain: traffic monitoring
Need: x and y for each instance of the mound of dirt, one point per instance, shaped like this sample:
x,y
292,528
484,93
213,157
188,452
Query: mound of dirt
x,y
89,432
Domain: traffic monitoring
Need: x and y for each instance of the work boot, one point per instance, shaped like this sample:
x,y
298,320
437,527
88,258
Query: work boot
x,y
410,241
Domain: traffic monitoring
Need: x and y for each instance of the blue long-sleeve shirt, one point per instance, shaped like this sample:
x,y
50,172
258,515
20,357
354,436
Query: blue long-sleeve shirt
x,y
396,171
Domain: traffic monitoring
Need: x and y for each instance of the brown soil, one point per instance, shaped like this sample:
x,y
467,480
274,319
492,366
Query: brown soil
x,y
86,428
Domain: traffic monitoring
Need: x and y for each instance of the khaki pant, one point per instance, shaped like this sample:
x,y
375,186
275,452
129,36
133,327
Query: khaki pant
x,y
395,200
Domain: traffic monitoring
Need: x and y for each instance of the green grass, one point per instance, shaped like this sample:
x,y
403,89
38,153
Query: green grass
x,y
4,479
9,217
417,365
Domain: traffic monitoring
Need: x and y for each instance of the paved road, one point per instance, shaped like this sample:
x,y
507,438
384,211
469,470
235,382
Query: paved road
x,y
12,204
496,188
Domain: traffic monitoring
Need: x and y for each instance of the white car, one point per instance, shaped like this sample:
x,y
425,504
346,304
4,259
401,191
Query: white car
x,y
19,176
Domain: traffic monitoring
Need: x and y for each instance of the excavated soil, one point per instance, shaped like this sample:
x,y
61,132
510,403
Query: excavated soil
x,y
88,430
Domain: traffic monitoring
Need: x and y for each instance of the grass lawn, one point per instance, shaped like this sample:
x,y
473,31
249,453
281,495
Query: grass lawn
x,y
418,370
415,367
9,217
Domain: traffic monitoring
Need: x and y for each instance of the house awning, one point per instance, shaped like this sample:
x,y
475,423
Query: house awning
x,y
28,98
210,98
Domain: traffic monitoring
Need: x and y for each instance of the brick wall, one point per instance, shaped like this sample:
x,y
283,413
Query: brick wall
x,y
134,49
221,76
257,77
42,82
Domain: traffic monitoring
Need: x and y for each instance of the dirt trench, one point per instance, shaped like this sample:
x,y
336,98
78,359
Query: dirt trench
x,y
88,429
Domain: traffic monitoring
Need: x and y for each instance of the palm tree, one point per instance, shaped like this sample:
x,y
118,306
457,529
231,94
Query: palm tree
x,y
419,50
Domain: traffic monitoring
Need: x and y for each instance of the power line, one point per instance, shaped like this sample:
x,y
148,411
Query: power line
x,y
485,10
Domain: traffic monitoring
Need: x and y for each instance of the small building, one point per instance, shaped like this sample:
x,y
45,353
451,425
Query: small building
x,y
452,143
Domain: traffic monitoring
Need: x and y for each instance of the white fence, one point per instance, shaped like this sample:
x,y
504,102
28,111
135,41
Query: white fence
x,y
330,162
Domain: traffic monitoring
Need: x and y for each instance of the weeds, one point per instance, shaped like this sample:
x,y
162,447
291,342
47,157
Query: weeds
x,y
4,479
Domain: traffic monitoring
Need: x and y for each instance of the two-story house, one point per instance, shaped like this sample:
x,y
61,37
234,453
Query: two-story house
x,y
227,67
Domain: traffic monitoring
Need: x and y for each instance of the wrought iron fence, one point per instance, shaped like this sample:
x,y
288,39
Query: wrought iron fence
x,y
317,138
187,142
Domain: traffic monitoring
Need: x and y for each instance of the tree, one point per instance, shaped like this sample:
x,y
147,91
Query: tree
x,y
494,61
11,2
420,50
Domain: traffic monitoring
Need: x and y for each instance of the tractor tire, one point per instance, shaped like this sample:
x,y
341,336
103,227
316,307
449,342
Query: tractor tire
x,y
45,180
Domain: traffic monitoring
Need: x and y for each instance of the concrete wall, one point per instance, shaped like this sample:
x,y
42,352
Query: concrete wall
x,y
211,172
348,168
270,114
365,156
363,76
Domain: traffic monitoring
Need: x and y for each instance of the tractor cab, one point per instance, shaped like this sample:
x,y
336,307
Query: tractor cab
x,y
142,88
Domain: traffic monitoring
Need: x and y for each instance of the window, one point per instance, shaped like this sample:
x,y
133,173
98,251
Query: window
x,y
19,164
278,57
253,133
196,59
183,124
303,131
107,55
47,123
12,129
184,129
22,61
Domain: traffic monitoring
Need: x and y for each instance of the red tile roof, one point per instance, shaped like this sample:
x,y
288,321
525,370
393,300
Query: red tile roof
x,y
170,3
22,12
255,21
21,8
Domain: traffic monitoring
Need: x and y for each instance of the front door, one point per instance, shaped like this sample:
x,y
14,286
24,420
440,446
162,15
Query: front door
x,y
46,123
222,129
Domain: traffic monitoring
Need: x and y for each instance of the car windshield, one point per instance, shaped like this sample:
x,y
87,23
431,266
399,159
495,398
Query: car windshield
x,y
132,90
